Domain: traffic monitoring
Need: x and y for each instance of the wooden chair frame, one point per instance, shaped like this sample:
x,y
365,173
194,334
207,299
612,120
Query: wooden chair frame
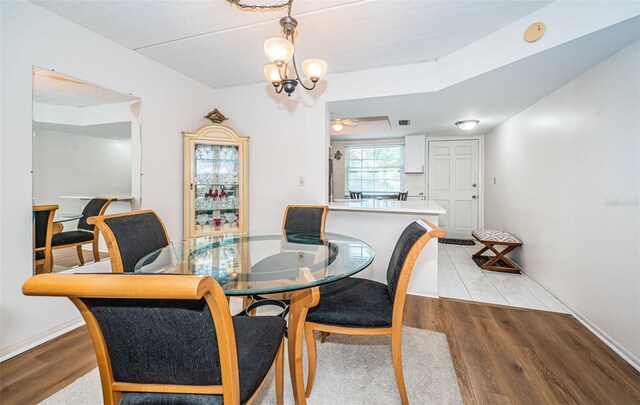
x,y
110,238
47,249
77,286
96,236
396,324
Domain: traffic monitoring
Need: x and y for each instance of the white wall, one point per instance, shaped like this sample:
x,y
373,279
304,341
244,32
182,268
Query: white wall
x,y
289,137
171,103
414,183
67,164
568,184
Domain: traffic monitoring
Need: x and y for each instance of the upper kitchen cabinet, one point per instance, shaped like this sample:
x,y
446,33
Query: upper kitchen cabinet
x,y
414,153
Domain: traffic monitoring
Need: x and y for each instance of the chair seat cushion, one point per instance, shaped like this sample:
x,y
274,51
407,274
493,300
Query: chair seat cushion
x,y
495,235
257,342
71,237
353,302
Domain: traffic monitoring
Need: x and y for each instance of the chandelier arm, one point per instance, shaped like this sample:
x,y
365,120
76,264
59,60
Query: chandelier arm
x,y
279,89
295,68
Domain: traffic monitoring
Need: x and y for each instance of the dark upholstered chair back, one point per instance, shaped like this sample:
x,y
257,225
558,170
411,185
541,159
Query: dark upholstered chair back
x,y
307,219
92,209
355,195
41,222
159,341
408,238
42,228
131,236
403,196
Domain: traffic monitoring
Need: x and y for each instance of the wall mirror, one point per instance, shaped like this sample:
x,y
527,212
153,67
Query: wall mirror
x,y
85,152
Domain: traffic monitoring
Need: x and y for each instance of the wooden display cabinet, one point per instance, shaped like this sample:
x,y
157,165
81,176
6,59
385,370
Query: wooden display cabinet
x,y
215,181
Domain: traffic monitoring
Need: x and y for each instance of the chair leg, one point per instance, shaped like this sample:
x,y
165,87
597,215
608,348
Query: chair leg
x,y
80,256
396,353
312,353
324,337
96,253
280,374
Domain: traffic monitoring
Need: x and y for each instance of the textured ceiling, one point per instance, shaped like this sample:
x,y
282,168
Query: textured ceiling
x,y
220,46
492,97
56,89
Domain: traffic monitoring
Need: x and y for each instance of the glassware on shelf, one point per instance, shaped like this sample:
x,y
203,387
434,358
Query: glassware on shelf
x,y
201,219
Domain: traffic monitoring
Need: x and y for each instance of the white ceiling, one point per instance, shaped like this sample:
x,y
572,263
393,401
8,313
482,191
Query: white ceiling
x,y
120,131
491,98
219,45
56,89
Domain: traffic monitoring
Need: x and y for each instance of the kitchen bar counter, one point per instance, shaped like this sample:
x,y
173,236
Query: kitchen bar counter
x,y
389,206
380,223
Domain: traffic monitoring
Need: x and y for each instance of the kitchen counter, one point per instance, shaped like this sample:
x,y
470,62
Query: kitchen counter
x,y
380,223
427,207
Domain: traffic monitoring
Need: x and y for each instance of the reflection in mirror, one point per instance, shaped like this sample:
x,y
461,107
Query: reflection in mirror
x,y
86,162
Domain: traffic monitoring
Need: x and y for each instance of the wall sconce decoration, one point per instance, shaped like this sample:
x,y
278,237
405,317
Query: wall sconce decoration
x,y
216,116
337,155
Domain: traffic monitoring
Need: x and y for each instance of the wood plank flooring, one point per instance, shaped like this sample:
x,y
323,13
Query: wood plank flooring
x,y
502,355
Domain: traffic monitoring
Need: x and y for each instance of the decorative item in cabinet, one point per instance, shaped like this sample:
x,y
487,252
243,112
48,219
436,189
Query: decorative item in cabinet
x,y
215,181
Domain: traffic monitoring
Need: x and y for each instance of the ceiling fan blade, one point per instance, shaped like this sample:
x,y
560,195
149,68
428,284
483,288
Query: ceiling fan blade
x,y
349,123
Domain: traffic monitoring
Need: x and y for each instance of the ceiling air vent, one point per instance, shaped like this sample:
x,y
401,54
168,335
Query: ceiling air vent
x,y
404,123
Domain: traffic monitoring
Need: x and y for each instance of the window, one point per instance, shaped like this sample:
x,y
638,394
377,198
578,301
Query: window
x,y
374,169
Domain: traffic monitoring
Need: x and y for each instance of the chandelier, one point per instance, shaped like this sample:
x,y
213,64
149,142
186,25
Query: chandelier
x,y
281,52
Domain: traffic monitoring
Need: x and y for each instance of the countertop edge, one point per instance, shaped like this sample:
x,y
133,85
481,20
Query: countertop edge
x,y
389,210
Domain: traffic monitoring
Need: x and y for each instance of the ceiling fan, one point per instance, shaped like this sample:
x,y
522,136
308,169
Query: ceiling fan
x,y
338,124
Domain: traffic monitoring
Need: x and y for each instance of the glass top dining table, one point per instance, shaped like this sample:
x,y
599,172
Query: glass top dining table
x,y
250,265
263,264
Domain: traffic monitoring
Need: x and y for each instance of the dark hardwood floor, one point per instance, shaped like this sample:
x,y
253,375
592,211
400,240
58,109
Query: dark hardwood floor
x,y
502,355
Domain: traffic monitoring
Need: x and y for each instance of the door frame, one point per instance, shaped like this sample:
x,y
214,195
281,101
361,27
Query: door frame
x,y
480,139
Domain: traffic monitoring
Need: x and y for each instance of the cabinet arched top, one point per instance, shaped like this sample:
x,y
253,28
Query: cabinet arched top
x,y
217,131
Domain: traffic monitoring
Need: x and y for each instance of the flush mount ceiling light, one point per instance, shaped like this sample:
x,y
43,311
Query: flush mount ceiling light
x,y
281,51
467,124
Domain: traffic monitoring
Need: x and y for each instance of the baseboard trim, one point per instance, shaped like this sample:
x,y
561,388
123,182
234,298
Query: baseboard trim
x,y
18,348
600,334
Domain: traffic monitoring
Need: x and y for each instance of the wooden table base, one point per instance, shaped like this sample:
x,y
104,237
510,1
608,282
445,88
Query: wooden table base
x,y
493,262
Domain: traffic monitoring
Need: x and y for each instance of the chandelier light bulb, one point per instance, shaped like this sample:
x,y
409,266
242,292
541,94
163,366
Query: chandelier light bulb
x,y
278,50
314,69
337,126
273,73
467,124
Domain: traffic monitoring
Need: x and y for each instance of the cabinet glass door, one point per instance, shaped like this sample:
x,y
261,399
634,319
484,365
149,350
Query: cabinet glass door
x,y
216,186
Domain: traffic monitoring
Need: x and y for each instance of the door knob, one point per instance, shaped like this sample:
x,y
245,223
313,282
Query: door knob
x,y
474,196
473,185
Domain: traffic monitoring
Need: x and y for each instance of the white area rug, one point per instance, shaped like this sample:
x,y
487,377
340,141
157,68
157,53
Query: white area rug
x,y
351,370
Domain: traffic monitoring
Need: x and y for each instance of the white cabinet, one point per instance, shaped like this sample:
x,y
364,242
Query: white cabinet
x,y
414,151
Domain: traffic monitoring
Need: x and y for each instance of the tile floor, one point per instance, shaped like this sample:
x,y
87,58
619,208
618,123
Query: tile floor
x,y
460,278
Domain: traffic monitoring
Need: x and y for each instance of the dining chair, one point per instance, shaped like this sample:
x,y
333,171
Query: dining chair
x,y
130,236
403,196
305,219
355,195
354,306
42,231
170,339
86,233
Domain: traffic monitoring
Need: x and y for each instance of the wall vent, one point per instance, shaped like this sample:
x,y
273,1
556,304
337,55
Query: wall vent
x,y
404,123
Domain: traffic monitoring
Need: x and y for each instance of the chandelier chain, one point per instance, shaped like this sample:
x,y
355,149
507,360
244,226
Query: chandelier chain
x,y
245,6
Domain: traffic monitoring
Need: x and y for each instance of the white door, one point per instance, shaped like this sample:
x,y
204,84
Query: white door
x,y
454,184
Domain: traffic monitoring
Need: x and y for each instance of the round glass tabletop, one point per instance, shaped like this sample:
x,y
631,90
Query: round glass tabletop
x,y
250,265
66,217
